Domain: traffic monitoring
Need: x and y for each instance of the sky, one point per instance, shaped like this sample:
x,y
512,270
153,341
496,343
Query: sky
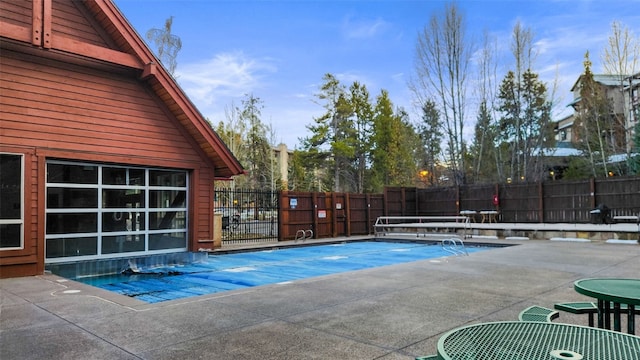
x,y
279,51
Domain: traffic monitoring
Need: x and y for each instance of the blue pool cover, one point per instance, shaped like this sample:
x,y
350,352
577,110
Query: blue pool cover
x,y
247,269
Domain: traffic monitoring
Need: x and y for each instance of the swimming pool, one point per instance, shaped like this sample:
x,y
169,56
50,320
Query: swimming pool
x,y
247,269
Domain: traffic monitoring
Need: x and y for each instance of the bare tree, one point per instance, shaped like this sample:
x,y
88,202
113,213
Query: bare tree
x,y
621,57
443,55
484,149
167,45
522,50
524,125
233,132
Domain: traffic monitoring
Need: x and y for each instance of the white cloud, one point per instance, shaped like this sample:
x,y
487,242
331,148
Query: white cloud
x,y
363,29
225,75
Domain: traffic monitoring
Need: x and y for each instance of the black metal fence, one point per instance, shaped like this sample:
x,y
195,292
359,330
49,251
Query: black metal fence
x,y
247,215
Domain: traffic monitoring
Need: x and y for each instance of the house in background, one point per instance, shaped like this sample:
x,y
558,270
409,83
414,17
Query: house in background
x,y
563,129
622,91
612,86
102,156
632,98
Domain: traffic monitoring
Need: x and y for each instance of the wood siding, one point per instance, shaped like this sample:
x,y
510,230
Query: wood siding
x,y
78,83
71,19
17,13
68,108
57,110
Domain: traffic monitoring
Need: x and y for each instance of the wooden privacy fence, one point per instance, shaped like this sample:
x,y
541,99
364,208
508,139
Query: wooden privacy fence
x,y
345,214
328,214
552,202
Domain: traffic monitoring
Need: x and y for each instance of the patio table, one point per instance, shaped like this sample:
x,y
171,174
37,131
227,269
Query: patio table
x,y
523,340
616,291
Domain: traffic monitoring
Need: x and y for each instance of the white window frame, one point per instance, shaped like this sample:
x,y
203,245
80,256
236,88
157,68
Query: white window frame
x,y
21,220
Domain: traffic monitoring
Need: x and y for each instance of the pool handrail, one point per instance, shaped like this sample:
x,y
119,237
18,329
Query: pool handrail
x,y
303,234
454,246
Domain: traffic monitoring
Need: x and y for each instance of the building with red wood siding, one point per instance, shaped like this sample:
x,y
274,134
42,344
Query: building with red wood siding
x,y
102,155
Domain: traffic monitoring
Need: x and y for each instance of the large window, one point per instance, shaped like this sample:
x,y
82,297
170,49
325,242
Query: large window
x,y
109,211
11,204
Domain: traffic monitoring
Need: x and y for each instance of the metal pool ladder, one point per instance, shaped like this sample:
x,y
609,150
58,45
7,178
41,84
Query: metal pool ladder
x,y
454,246
304,234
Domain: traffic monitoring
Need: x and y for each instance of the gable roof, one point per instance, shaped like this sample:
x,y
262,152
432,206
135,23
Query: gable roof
x,y
603,79
31,22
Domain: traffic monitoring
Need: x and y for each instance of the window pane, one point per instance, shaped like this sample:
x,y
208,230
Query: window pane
x,y
122,176
72,223
123,243
11,184
167,178
72,174
10,235
72,247
116,221
167,199
167,220
62,198
125,198
122,221
167,241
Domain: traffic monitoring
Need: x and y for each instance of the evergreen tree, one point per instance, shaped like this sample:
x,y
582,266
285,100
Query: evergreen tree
x,y
483,152
430,134
593,126
394,144
333,137
524,126
363,122
259,153
302,176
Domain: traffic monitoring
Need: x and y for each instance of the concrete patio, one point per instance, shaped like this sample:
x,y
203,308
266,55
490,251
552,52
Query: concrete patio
x,y
392,312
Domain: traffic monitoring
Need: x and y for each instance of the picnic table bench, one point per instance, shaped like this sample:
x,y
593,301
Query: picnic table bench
x,y
489,216
587,307
538,313
632,218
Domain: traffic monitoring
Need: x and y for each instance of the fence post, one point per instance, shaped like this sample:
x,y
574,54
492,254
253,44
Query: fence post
x,y
404,201
283,216
540,202
314,214
385,206
497,193
592,192
368,197
347,214
334,215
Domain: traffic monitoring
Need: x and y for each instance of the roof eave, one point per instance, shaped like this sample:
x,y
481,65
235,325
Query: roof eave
x,y
231,166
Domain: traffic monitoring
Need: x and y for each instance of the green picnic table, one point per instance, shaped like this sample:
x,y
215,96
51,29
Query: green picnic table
x,y
616,291
522,340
